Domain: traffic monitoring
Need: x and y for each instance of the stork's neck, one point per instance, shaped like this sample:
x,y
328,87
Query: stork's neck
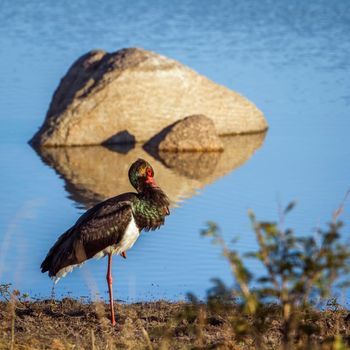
x,y
154,194
151,208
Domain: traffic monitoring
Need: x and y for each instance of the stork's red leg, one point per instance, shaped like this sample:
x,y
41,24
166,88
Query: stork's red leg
x,y
110,287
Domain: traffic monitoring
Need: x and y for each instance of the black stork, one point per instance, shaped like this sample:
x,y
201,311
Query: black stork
x,y
110,227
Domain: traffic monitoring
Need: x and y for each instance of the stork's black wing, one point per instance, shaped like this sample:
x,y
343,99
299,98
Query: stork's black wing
x,y
98,228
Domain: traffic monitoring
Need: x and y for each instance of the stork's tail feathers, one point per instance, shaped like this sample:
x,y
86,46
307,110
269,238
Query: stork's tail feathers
x,y
46,264
60,258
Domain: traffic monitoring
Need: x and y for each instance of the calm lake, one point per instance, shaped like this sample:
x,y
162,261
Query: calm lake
x,y
292,59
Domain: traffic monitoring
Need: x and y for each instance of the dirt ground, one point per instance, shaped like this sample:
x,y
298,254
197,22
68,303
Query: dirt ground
x,y
71,324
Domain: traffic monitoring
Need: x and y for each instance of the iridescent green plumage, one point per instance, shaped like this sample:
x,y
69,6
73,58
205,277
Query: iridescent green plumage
x,y
148,215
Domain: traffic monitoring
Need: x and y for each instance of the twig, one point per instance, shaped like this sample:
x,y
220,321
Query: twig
x,y
340,208
264,254
92,339
148,340
13,314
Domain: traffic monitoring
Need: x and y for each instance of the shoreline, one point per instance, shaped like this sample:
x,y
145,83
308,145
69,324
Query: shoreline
x,y
70,323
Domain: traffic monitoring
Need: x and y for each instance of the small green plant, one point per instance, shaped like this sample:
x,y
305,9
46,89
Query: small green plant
x,y
14,296
299,270
5,292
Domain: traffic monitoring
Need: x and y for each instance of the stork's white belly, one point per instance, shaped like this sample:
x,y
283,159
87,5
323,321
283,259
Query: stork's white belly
x,y
131,235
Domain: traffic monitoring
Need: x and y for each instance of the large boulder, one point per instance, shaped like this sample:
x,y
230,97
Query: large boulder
x,y
132,94
193,133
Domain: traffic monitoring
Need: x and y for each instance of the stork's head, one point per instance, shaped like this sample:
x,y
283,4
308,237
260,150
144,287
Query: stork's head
x,y
141,175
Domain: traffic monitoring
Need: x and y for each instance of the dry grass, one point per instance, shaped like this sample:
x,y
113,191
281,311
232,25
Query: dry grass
x,y
71,324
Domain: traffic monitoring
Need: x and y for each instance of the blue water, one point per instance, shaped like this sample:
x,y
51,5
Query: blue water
x,y
292,59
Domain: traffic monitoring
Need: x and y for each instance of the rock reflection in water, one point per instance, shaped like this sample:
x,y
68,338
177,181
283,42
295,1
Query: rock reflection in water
x,y
94,173
209,166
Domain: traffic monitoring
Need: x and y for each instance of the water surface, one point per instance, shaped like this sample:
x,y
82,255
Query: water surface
x,y
292,59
